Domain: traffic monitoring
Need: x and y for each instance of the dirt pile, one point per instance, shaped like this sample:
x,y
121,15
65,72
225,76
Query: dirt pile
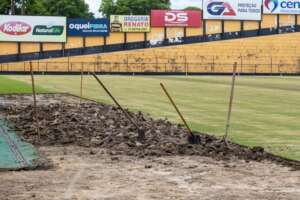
x,y
97,125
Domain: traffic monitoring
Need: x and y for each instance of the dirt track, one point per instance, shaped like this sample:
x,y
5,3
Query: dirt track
x,y
80,175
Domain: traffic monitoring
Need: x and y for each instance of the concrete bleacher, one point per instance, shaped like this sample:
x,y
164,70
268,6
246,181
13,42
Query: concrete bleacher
x,y
268,54
277,53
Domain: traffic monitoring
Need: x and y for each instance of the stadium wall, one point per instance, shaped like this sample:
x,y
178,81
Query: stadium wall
x,y
270,51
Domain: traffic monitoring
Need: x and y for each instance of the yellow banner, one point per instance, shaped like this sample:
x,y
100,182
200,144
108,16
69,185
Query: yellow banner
x,y
130,23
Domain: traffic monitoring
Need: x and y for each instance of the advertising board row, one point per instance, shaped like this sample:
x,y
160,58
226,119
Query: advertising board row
x,y
247,9
55,29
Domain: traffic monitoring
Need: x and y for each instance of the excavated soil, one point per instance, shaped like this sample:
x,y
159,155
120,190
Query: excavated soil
x,y
67,120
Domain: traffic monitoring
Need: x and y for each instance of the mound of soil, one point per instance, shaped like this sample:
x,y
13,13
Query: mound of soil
x,y
95,125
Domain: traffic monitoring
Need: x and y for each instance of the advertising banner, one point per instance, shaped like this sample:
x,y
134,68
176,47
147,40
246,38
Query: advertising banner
x,y
176,18
130,23
232,9
88,27
281,6
32,28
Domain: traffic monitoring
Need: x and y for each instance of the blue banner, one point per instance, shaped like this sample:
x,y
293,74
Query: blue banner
x,y
88,27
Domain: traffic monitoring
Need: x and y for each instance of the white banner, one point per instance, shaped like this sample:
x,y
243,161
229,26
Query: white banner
x,y
32,29
282,6
232,9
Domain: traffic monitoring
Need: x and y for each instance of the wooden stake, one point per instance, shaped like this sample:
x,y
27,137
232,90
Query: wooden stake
x,y
81,83
230,103
34,102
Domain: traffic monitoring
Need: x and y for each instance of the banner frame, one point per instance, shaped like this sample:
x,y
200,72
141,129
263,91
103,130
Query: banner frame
x,y
146,31
253,20
92,34
179,25
65,37
276,13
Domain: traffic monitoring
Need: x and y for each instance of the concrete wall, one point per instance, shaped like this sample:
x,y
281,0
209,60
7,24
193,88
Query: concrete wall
x,y
156,35
276,54
267,54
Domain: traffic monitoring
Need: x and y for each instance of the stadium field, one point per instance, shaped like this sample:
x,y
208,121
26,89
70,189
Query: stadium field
x,y
266,110
9,86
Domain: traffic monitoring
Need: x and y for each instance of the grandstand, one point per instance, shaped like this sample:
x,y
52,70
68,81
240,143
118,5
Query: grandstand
x,y
257,47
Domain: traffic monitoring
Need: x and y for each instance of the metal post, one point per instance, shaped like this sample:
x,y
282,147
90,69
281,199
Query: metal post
x,y
98,58
156,63
213,64
81,82
34,102
38,62
271,64
230,103
101,65
69,63
127,63
241,63
186,65
278,24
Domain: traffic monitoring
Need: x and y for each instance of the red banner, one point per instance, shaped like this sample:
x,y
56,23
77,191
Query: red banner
x,y
176,18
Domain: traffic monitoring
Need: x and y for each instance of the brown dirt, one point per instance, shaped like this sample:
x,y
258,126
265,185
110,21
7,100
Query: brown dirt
x,y
65,121
92,174
97,156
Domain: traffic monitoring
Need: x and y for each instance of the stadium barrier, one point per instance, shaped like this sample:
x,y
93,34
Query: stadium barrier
x,y
16,52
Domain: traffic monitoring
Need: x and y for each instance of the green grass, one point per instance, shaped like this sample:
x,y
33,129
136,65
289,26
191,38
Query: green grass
x,y
266,110
9,86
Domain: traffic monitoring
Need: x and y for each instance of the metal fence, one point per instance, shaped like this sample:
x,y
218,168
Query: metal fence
x,y
170,66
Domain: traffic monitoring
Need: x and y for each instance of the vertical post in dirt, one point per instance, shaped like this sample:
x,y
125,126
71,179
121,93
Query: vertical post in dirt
x,y
34,102
230,103
81,82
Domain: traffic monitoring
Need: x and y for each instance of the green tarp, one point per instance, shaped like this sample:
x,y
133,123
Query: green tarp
x,y
14,153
